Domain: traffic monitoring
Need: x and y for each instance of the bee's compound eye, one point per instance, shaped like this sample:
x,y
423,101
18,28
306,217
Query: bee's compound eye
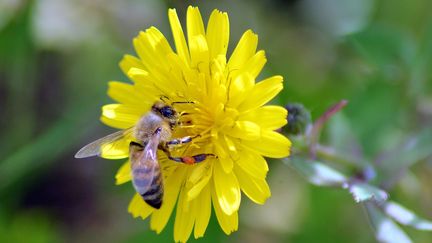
x,y
167,111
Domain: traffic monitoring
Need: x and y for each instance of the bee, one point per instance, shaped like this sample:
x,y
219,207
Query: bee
x,y
152,132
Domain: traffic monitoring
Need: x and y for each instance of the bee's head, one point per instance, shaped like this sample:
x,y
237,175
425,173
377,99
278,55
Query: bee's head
x,y
164,110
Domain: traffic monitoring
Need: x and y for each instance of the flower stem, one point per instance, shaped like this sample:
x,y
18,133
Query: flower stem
x,y
329,154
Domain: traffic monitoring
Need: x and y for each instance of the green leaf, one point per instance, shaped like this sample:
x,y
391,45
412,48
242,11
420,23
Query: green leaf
x,y
413,151
386,230
44,149
383,46
317,173
405,216
420,74
340,132
320,174
363,192
30,226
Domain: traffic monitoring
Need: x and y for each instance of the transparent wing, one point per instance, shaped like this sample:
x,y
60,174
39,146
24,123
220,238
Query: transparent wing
x,y
106,144
150,150
145,166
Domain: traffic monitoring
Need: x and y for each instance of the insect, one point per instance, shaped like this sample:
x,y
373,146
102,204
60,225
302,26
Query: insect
x,y
152,132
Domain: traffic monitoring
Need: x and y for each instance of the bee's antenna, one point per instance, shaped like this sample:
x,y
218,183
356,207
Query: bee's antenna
x,y
164,98
182,102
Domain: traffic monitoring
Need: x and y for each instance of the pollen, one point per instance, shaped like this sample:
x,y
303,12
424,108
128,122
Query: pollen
x,y
189,160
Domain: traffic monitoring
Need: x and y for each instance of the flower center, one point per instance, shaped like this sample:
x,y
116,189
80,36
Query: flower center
x,y
206,121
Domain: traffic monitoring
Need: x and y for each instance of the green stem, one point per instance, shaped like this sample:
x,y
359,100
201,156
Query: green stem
x,y
329,154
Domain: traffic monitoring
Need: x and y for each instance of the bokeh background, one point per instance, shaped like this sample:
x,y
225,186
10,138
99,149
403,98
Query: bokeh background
x,y
56,57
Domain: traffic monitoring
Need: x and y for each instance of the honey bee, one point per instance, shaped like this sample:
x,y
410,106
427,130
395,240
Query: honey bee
x,y
152,132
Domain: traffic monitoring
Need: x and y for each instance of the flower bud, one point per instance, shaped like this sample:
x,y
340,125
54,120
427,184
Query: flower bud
x,y
298,119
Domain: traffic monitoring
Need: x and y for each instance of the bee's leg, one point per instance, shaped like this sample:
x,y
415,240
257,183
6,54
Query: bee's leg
x,y
185,159
179,141
190,160
184,123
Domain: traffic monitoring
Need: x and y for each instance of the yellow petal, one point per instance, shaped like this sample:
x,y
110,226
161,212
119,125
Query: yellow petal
x,y
150,85
124,93
204,211
227,190
181,75
256,189
269,117
121,116
152,48
185,218
245,130
138,95
161,49
198,171
143,49
255,64
230,144
129,62
145,79
194,23
172,185
271,144
148,93
217,68
222,150
219,147
154,83
123,174
218,33
227,164
262,93
121,92
239,89
168,167
137,72
244,50
138,208
253,164
199,53
159,43
178,35
199,178
228,223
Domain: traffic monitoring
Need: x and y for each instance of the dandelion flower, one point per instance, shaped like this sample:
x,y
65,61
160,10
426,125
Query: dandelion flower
x,y
227,113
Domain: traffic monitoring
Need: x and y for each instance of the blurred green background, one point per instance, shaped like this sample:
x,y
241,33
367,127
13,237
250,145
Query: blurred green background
x,y
56,57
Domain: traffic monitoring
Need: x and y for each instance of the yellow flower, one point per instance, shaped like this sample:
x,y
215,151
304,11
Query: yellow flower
x,y
226,109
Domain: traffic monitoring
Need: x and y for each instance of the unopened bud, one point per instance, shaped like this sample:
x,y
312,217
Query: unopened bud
x,y
298,119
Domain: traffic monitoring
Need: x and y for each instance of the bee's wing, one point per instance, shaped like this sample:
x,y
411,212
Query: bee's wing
x,y
106,143
151,147
145,166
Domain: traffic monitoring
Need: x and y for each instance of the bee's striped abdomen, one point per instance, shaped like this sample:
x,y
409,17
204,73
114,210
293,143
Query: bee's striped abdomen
x,y
148,183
